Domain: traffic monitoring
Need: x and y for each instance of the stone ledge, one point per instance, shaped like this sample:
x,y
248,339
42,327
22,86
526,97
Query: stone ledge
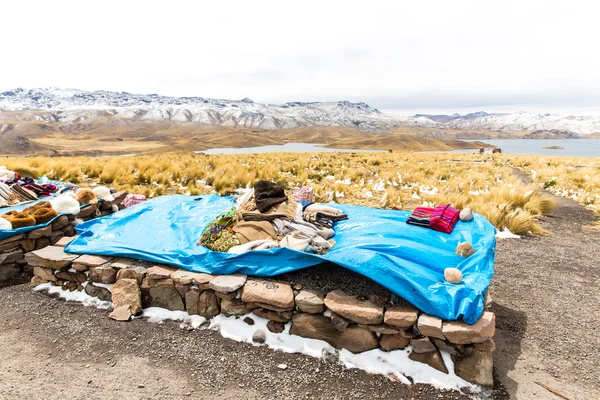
x,y
346,322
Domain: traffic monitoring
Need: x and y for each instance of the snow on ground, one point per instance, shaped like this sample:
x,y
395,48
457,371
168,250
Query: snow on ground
x,y
506,234
80,297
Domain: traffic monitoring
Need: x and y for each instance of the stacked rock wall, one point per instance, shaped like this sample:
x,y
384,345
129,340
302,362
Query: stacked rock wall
x,y
14,248
349,322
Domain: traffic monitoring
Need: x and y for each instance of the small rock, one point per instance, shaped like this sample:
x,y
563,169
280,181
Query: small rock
x,y
275,327
272,315
339,323
460,333
227,283
50,257
121,313
93,261
46,274
431,326
271,295
453,275
208,306
187,277
99,292
310,301
159,272
259,336
103,274
401,316
422,345
161,293
282,366
433,359
466,215
234,307
249,321
137,273
475,366
362,311
318,326
394,342
126,293
465,250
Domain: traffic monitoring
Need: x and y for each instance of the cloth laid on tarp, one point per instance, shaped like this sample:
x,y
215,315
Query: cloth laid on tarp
x,y
376,243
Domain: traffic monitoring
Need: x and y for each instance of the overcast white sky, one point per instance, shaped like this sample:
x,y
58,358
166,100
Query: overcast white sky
x,y
395,55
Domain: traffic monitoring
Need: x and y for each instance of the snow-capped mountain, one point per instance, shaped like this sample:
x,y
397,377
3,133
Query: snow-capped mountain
x,y
69,105
78,106
519,121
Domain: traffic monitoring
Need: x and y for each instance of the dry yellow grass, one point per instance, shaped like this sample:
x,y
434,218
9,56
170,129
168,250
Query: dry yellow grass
x,y
571,177
372,179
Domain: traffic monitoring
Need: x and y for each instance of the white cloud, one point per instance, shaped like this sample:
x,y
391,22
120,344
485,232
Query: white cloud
x,y
418,55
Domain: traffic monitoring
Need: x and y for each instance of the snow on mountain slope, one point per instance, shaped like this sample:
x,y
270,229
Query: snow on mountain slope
x,y
523,121
76,106
68,105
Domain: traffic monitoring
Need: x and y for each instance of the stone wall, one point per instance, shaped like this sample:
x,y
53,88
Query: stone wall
x,y
14,248
350,322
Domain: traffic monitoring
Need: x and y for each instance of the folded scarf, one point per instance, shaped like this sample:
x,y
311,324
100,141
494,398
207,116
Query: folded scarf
x,y
444,218
268,194
421,216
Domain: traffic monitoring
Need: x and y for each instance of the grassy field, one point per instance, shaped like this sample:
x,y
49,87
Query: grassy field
x,y
572,177
485,184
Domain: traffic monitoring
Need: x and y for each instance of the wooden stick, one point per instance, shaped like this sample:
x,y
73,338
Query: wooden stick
x,y
553,391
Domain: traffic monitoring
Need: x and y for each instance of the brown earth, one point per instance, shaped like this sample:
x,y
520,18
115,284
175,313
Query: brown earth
x,y
546,298
28,137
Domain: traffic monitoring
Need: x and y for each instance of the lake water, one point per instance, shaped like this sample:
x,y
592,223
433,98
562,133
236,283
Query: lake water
x,y
287,148
571,147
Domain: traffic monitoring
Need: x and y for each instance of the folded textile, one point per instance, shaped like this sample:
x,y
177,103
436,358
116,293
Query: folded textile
x,y
323,219
421,216
444,218
296,241
283,210
24,193
313,208
304,193
225,241
250,231
267,195
133,199
256,245
223,222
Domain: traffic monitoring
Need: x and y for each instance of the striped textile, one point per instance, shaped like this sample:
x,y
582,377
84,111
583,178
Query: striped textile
x,y
421,216
304,193
444,218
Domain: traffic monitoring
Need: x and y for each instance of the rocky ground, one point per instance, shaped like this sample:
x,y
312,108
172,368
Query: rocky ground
x,y
546,299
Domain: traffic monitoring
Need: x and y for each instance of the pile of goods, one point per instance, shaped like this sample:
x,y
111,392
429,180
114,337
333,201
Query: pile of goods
x,y
43,212
265,218
16,189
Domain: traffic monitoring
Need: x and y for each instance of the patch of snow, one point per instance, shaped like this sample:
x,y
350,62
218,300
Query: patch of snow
x,y
80,297
506,234
158,314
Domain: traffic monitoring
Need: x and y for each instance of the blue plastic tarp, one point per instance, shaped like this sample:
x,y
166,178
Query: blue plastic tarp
x,y
408,260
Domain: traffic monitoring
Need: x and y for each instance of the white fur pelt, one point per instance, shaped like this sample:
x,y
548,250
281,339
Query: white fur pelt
x,y
65,204
5,225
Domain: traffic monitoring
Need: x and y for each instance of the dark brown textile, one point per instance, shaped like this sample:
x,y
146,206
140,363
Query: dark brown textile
x,y
268,194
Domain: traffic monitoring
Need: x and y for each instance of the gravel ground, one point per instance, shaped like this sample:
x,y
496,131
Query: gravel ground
x,y
545,296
